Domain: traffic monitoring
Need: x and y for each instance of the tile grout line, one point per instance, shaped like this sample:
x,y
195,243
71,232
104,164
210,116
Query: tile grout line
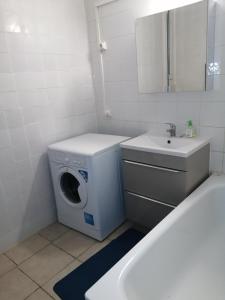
x,y
8,272
5,253
28,276
31,293
18,265
42,291
75,257
40,285
95,242
48,294
49,243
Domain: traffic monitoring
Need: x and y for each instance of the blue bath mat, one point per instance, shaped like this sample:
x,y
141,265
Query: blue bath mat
x,y
75,284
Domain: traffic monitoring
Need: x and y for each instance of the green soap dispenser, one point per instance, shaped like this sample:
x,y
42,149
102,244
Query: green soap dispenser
x,y
189,129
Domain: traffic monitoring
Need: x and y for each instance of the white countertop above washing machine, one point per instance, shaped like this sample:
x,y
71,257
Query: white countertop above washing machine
x,y
88,144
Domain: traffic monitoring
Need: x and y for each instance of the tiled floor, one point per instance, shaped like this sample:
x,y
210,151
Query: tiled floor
x,y
31,269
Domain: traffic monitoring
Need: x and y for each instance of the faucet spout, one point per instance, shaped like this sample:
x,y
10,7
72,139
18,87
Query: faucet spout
x,y
172,129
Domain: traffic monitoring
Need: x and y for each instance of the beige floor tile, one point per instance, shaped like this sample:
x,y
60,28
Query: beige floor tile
x,y
120,230
45,264
93,250
39,295
53,231
74,243
16,286
6,264
26,249
48,287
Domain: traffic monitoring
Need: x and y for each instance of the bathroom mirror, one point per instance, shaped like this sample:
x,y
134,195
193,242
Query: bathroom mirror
x,y
172,49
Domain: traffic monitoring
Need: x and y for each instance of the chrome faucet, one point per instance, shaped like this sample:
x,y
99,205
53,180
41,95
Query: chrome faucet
x,y
172,129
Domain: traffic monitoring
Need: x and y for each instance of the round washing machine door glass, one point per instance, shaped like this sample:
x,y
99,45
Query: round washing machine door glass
x,y
73,187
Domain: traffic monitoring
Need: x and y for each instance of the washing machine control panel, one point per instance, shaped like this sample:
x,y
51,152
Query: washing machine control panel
x,y
68,159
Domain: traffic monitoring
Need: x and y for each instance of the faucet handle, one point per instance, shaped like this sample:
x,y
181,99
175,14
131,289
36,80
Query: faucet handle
x,y
172,125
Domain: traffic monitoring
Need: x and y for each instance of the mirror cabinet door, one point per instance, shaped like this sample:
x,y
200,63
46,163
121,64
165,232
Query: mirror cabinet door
x,y
188,55
151,39
172,49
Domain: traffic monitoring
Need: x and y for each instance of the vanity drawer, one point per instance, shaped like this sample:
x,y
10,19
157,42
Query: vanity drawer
x,y
144,211
162,184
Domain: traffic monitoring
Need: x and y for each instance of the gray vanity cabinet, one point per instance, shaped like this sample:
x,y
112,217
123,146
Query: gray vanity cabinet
x,y
154,184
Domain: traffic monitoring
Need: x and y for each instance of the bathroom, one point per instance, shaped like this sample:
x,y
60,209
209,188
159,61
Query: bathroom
x,y
69,68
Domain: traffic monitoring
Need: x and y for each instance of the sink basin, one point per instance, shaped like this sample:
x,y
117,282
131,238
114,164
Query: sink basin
x,y
176,146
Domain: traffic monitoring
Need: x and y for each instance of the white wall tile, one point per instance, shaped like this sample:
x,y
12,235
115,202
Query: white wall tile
x,y
220,23
90,9
120,60
35,141
19,144
16,42
3,42
92,30
4,133
212,114
216,161
30,80
34,62
206,109
14,118
31,43
33,98
33,114
52,79
216,135
44,72
121,91
49,61
5,64
122,111
219,58
149,111
166,112
114,8
19,62
125,25
8,100
223,162
188,110
7,82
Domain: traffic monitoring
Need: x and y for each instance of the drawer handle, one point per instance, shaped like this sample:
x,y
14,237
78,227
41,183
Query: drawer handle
x,y
149,199
152,167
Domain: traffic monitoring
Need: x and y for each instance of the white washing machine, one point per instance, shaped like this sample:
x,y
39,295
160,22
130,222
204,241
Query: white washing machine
x,y
86,176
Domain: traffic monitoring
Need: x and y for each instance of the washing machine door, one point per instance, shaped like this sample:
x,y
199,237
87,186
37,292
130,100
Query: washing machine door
x,y
73,187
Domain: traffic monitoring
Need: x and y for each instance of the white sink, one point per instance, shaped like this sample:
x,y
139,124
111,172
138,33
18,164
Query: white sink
x,y
176,146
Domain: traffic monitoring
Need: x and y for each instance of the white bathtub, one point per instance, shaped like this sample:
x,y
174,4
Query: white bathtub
x,y
182,258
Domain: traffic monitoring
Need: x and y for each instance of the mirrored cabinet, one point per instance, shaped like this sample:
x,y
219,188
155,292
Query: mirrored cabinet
x,y
175,50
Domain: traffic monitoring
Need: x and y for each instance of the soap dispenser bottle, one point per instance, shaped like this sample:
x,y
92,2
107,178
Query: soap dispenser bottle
x,y
189,129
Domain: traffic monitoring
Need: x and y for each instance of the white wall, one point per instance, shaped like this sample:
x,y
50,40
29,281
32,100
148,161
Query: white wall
x,y
133,113
46,95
